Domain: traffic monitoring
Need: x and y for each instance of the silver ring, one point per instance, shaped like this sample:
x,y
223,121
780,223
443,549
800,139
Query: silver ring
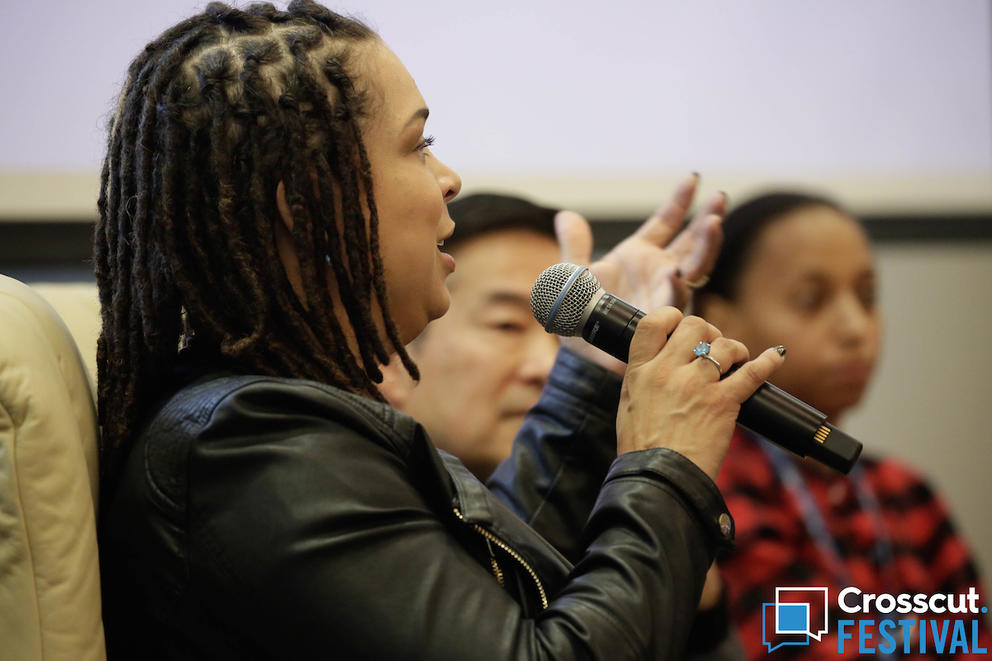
x,y
696,284
702,350
714,361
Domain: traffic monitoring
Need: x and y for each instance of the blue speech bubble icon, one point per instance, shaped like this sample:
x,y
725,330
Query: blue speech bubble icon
x,y
792,618
803,596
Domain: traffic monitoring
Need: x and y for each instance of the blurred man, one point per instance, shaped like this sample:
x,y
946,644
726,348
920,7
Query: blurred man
x,y
487,355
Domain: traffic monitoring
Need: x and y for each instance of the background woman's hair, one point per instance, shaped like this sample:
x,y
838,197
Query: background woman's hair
x,y
214,114
742,228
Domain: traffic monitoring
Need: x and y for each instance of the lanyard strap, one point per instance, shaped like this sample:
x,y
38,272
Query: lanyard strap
x,y
787,471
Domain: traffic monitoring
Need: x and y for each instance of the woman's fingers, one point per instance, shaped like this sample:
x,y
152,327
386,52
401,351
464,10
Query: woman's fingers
x,y
683,340
689,333
701,255
723,354
677,392
742,383
697,246
681,293
574,237
652,334
715,206
662,225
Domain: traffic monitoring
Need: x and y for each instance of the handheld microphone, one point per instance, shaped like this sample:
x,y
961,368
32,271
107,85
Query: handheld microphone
x,y
568,300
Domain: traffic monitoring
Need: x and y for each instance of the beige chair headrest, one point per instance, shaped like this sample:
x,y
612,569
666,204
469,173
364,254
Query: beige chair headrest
x,y
49,573
78,305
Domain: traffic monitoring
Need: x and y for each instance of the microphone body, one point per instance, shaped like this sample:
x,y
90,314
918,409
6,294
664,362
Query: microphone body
x,y
611,324
581,307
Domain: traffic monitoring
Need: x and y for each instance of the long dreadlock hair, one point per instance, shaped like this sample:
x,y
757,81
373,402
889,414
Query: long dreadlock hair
x,y
214,114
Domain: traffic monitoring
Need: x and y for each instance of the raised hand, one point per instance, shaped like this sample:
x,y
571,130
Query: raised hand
x,y
652,268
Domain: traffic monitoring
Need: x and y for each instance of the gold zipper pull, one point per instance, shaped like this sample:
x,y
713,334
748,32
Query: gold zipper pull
x,y
497,572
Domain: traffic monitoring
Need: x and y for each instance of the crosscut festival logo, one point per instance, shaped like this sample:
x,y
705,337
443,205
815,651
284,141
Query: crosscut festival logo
x,y
798,616
882,623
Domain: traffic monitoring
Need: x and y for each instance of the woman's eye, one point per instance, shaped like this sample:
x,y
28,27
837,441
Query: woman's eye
x,y
867,297
808,300
425,142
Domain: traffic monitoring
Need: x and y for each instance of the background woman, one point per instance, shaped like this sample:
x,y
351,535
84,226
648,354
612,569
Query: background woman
x,y
797,269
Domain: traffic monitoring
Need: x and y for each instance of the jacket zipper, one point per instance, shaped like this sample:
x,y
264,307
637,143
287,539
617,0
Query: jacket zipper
x,y
489,537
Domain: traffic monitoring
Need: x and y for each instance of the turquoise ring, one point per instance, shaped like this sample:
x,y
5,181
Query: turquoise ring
x,y
702,350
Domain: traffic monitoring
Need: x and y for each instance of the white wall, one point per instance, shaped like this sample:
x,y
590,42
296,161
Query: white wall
x,y
591,105
930,403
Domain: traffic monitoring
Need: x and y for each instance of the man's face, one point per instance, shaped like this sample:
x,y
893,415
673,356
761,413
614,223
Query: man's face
x,y
484,363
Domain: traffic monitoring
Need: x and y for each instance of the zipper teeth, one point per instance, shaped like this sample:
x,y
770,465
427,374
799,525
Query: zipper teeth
x,y
513,554
497,572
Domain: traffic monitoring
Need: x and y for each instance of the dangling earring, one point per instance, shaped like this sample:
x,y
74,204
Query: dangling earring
x,y
186,333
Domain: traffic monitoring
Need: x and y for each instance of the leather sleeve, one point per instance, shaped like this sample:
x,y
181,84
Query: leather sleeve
x,y
559,461
315,539
563,452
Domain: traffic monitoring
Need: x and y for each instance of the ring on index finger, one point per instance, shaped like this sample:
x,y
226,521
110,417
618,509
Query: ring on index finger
x,y
702,350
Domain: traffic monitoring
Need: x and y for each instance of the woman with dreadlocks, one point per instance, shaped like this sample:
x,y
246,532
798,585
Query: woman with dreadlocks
x,y
270,217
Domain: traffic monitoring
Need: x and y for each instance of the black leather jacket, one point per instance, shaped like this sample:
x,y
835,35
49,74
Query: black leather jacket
x,y
266,518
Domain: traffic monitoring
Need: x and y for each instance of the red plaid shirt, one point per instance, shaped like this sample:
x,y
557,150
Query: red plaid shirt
x,y
774,548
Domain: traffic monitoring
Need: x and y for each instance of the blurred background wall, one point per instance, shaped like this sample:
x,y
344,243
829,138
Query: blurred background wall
x,y
601,107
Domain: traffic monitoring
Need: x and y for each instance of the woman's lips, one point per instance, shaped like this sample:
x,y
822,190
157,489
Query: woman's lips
x,y
448,261
850,373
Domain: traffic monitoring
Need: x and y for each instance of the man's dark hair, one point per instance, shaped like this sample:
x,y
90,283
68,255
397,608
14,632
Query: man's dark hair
x,y
214,114
484,213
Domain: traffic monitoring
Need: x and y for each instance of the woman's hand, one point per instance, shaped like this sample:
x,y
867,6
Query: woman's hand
x,y
673,399
652,267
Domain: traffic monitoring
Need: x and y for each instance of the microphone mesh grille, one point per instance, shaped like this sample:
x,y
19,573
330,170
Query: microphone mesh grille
x,y
549,286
